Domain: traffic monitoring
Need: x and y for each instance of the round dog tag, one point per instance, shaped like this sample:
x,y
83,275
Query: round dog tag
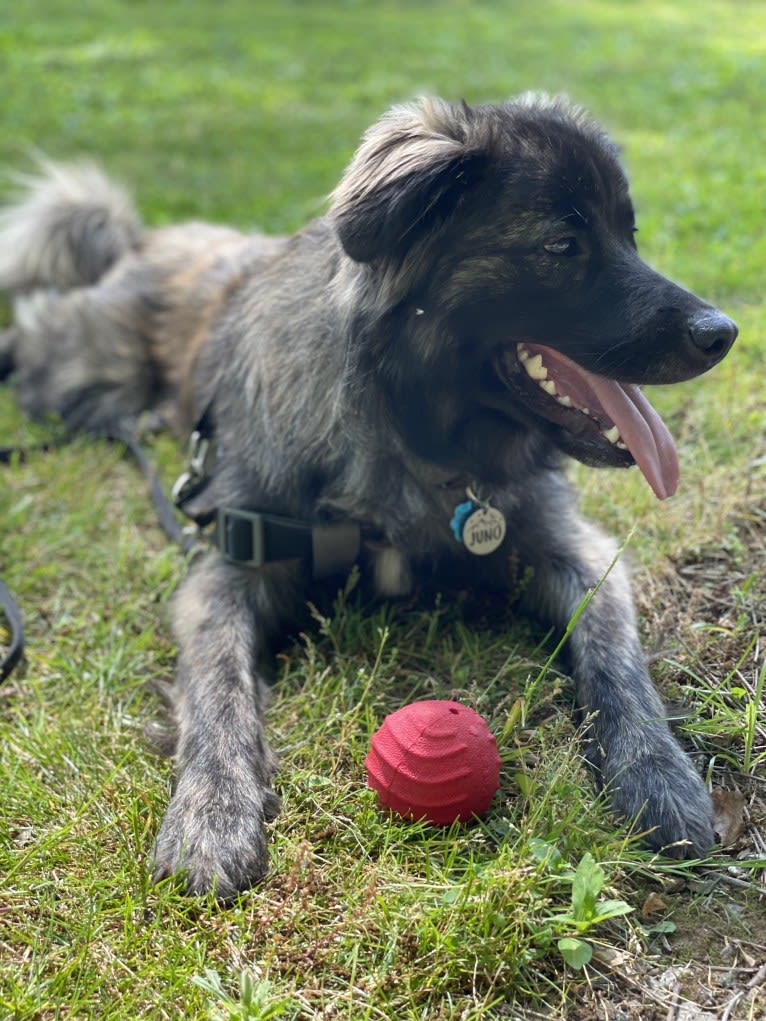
x,y
483,531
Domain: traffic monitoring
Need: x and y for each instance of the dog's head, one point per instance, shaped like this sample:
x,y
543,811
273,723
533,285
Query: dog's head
x,y
498,287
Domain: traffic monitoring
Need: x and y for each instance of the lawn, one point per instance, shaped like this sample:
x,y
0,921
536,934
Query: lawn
x,y
247,113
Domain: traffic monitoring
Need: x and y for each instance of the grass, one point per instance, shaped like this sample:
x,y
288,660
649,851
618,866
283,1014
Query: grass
x,y
247,113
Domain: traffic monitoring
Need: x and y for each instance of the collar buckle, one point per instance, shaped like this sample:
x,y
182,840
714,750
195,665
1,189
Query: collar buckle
x,y
190,481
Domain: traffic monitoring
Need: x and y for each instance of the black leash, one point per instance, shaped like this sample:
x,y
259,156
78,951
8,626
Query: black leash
x,y
250,538
9,609
21,454
15,648
166,511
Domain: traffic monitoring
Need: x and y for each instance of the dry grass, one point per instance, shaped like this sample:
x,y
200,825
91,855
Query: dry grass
x,y
214,115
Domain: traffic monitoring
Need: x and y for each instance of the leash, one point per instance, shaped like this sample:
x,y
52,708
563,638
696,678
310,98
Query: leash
x,y
166,512
15,647
250,538
21,454
9,608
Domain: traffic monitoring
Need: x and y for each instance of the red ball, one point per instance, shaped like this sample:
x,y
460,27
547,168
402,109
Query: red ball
x,y
434,760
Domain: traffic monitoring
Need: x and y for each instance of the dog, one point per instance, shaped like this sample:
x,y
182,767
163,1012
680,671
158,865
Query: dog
x,y
394,386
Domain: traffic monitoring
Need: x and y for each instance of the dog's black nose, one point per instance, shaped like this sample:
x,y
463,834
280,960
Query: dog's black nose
x,y
713,333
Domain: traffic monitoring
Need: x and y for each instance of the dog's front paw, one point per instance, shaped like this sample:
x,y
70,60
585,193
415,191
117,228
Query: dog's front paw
x,y
215,838
671,805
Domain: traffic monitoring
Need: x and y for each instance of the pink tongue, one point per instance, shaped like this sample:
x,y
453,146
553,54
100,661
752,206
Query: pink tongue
x,y
642,430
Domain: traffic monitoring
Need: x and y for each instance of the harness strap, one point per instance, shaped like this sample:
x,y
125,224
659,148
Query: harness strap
x,y
253,538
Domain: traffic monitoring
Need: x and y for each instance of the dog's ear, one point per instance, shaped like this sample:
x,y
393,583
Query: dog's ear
x,y
411,169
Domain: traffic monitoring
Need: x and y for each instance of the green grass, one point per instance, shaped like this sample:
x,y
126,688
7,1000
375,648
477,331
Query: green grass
x,y
247,113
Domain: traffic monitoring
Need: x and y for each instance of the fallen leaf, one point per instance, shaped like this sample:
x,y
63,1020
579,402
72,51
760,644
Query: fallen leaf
x,y
653,905
729,815
610,957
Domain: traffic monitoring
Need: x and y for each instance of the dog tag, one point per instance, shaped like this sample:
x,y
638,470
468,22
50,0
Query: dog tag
x,y
483,531
479,527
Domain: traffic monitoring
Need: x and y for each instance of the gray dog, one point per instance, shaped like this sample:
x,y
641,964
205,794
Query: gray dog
x,y
392,386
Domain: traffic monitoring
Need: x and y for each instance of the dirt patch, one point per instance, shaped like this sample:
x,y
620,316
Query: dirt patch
x,y
705,616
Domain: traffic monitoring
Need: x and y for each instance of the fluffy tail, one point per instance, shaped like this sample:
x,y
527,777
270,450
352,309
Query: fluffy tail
x,y
69,224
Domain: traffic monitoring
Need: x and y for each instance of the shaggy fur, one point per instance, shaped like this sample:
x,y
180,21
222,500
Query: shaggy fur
x,y
371,369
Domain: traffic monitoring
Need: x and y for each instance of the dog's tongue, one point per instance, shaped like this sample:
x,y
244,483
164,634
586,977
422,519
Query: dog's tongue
x,y
642,430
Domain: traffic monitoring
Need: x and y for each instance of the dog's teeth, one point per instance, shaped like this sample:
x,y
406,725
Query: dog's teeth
x,y
523,353
549,386
621,445
612,434
535,367
566,401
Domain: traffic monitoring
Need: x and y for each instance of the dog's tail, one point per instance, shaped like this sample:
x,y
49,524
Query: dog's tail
x,y
68,225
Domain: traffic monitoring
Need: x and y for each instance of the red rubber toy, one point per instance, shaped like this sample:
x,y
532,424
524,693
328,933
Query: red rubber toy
x,y
434,760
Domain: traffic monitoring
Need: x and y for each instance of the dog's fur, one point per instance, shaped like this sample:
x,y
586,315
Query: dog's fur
x,y
367,370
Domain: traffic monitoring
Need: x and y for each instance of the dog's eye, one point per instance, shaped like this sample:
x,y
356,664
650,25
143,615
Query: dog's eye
x,y
562,246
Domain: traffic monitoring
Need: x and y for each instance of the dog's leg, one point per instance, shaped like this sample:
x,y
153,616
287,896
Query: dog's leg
x,y
213,830
647,774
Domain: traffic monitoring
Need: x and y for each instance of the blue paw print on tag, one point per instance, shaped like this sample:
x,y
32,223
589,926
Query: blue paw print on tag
x,y
463,511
